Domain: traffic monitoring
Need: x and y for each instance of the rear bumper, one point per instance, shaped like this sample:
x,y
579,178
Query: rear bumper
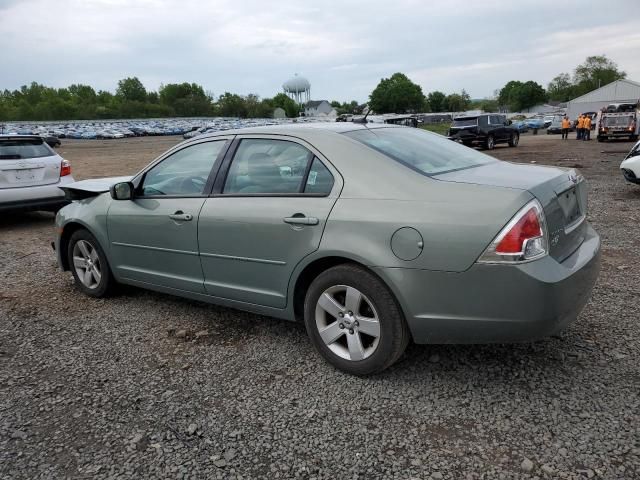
x,y
497,303
616,134
43,197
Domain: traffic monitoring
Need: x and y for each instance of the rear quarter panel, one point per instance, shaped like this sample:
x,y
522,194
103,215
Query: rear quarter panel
x,y
456,222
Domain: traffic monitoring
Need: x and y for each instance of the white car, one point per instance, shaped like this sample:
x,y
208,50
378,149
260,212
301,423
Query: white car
x,y
30,174
630,166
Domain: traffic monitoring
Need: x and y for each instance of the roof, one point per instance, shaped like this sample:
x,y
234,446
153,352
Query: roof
x,y
297,129
315,103
615,91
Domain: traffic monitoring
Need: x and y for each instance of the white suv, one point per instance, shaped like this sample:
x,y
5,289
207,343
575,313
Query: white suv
x,y
30,174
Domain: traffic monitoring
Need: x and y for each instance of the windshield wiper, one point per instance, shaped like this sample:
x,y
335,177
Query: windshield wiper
x,y
10,157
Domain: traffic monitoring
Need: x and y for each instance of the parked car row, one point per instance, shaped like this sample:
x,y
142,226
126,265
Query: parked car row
x,y
115,129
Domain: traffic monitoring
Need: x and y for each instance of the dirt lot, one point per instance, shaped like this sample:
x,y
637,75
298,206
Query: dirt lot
x,y
98,388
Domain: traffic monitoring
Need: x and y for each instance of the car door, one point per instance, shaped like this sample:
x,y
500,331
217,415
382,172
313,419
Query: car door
x,y
154,237
497,127
268,212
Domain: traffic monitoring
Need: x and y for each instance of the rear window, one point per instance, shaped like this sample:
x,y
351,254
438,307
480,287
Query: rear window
x,y
17,148
465,122
427,153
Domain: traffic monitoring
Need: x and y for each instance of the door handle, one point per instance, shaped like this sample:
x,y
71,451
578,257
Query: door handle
x,y
301,220
180,216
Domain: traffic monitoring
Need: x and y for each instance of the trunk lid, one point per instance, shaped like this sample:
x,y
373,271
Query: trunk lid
x,y
27,162
561,192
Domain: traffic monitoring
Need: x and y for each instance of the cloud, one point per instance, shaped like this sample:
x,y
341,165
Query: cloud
x,y
343,47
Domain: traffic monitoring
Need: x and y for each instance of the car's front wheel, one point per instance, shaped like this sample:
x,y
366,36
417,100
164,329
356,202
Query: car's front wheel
x,y
354,321
89,265
513,141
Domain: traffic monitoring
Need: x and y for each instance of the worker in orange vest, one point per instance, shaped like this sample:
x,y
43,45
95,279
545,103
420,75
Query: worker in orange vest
x,y
566,125
586,132
579,127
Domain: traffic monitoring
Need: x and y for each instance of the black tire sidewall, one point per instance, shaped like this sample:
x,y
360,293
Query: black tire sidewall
x,y
106,280
491,142
393,333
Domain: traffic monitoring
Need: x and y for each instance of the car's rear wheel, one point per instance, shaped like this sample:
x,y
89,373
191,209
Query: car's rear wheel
x,y
513,141
354,321
490,143
89,265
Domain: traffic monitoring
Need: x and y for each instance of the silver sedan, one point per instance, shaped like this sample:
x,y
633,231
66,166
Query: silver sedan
x,y
371,235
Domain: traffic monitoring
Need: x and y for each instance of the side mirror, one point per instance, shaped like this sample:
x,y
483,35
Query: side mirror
x,y
122,191
508,122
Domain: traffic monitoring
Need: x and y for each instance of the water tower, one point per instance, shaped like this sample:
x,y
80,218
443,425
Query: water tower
x,y
298,88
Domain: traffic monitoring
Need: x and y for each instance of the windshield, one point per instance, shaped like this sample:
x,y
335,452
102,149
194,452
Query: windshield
x,y
465,122
17,148
622,121
424,152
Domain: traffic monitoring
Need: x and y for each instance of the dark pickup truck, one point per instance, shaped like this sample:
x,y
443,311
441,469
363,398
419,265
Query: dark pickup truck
x,y
486,130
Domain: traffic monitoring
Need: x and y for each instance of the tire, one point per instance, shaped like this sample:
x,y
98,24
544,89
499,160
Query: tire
x,y
86,256
356,350
514,140
490,143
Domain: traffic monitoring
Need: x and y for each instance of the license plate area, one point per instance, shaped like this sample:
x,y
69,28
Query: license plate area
x,y
570,204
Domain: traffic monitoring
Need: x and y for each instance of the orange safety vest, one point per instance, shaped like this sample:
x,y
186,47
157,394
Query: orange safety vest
x,y
580,122
587,122
566,123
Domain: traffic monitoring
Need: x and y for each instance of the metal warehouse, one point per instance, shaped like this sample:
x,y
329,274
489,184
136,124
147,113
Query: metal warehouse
x,y
620,91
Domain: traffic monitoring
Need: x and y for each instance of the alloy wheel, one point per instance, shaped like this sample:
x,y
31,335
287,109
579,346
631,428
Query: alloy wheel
x,y
347,322
87,264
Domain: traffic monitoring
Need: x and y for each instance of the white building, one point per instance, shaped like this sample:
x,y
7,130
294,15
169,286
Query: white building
x,y
319,108
620,91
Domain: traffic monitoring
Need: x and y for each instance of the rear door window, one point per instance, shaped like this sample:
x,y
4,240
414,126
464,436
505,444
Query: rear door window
x,y
266,166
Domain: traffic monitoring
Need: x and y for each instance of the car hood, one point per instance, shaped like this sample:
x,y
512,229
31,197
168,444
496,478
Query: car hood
x,y
96,185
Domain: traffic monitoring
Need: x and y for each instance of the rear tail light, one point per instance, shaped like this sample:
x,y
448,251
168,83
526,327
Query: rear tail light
x,y
65,168
523,239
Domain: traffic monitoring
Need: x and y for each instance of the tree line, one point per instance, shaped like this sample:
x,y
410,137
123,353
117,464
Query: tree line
x,y
133,100
398,94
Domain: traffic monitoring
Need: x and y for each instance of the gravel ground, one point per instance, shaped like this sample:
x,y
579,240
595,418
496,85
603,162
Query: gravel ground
x,y
148,386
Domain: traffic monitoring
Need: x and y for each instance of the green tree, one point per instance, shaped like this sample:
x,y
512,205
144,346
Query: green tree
x,y
457,102
519,96
595,72
186,99
290,107
437,101
560,88
397,94
131,89
231,105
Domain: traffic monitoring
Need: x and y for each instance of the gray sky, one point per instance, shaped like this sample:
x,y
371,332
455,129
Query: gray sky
x,y
343,47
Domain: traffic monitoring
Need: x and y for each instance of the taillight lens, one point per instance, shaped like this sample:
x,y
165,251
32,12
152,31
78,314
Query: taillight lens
x,y
65,168
523,239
